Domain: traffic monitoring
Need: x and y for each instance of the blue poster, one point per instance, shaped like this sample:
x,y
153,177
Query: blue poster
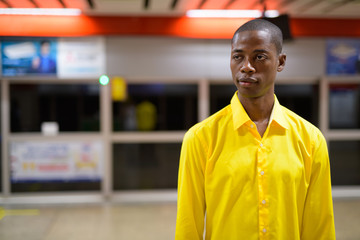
x,y
343,56
28,57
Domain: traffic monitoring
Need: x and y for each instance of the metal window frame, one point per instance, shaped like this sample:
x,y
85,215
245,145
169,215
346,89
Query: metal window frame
x,y
109,137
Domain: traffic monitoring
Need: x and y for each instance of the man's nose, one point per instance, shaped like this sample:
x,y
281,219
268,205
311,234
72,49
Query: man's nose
x,y
247,67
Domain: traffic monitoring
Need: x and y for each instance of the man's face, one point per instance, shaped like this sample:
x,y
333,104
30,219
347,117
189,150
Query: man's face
x,y
45,48
254,64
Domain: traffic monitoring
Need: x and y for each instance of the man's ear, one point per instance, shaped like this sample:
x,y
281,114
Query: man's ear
x,y
282,60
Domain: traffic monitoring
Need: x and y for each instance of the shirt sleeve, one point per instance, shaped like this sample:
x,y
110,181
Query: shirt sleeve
x,y
191,196
318,217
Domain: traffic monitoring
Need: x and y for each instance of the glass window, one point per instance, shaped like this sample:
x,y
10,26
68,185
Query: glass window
x,y
345,162
74,107
303,99
344,105
145,165
152,107
220,96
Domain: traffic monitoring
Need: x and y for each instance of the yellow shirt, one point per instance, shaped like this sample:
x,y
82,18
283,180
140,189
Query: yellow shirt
x,y
276,187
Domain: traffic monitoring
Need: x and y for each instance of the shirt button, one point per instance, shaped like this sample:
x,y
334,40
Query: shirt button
x,y
261,145
263,201
264,230
262,172
252,125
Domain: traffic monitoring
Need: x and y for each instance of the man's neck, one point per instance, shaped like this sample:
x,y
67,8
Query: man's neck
x,y
259,110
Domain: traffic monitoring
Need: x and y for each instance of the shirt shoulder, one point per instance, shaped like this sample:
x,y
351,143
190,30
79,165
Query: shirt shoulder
x,y
213,123
302,127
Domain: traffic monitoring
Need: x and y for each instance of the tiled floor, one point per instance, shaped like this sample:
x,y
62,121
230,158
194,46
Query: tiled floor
x,y
126,222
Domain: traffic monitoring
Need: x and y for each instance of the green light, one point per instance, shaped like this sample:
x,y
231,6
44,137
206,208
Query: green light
x,y
104,80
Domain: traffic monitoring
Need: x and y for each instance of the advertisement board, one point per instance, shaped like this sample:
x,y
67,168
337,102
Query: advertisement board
x,y
342,56
62,58
81,57
29,57
56,161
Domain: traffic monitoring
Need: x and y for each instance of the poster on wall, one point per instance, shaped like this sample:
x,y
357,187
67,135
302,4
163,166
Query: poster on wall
x,y
56,161
29,57
343,105
81,57
343,56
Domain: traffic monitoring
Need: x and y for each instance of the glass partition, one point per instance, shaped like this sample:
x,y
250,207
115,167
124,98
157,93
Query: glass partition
x,y
345,162
73,107
220,96
344,106
156,107
139,166
303,99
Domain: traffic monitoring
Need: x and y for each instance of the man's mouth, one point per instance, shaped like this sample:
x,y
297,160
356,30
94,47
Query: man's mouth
x,y
247,81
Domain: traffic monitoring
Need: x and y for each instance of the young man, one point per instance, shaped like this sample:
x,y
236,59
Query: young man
x,y
257,170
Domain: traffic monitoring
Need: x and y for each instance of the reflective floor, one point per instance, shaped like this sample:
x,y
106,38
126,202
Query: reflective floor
x,y
125,221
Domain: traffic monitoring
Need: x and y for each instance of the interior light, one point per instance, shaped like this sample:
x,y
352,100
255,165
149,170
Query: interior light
x,y
231,13
104,80
41,11
271,13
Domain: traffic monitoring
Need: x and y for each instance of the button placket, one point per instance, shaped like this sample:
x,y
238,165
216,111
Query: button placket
x,y
263,152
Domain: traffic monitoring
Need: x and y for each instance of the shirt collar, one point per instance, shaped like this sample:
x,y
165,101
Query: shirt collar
x,y
278,115
240,117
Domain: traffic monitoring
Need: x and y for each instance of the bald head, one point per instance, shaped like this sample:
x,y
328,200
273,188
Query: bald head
x,y
263,25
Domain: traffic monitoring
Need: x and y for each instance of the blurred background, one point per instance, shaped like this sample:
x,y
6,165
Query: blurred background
x,y
96,96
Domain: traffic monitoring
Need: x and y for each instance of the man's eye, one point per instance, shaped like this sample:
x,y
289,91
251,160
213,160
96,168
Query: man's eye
x,y
260,57
236,57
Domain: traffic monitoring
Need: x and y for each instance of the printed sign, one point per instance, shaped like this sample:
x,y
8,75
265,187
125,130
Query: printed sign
x,y
81,57
56,161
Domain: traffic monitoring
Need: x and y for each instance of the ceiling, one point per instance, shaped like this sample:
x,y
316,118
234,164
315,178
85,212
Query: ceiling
x,y
295,8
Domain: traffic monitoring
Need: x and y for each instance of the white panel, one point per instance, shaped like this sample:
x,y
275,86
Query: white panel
x,y
81,57
305,58
156,57
198,58
219,59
